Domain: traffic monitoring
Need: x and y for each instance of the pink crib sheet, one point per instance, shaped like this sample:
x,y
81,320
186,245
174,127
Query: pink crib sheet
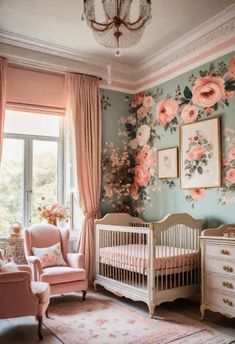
x,y
136,257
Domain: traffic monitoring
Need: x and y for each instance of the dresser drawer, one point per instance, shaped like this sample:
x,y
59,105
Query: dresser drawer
x,y
220,251
222,300
220,266
221,283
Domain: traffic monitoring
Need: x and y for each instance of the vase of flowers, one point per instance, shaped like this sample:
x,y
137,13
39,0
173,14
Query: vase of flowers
x,y
53,213
52,221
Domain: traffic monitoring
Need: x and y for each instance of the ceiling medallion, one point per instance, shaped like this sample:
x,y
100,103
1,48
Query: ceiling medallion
x,y
117,24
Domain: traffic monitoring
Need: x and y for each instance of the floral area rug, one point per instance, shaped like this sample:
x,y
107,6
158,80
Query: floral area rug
x,y
103,320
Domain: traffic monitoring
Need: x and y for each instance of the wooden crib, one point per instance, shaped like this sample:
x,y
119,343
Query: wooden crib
x,y
150,262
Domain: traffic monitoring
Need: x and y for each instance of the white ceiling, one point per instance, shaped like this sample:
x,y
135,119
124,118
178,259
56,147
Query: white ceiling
x,y
58,22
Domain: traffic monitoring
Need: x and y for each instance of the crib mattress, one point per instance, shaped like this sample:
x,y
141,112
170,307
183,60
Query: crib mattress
x,y
135,257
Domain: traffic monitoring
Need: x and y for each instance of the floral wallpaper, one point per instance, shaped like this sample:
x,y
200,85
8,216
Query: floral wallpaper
x,y
149,121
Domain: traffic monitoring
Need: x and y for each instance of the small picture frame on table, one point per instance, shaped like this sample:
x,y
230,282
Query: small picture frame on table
x,y
168,163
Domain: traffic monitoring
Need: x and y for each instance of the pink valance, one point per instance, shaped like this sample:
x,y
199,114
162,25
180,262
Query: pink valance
x,y
39,91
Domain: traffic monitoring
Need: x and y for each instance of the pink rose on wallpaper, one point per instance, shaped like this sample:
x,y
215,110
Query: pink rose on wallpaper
x,y
189,113
166,111
133,144
230,175
108,192
138,99
143,157
134,191
148,102
209,110
231,68
197,194
195,153
231,154
147,151
143,134
142,112
145,162
208,90
141,176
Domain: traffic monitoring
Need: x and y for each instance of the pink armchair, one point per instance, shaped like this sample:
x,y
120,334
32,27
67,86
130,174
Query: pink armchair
x,y
62,279
20,297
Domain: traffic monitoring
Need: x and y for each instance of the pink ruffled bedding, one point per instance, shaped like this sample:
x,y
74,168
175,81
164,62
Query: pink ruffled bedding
x,y
136,257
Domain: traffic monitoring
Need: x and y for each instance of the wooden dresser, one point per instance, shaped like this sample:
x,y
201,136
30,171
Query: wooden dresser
x,y
218,270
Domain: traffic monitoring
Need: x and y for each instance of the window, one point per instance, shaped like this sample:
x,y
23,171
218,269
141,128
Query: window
x,y
32,166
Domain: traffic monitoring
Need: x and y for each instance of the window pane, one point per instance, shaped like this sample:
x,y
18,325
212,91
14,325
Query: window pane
x,y
18,122
44,175
11,183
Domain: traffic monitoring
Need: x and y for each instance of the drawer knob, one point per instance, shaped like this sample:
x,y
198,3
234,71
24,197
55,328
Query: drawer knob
x,y
228,302
228,285
225,252
227,268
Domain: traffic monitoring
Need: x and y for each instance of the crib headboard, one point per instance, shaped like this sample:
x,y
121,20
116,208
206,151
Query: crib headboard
x,y
122,219
178,230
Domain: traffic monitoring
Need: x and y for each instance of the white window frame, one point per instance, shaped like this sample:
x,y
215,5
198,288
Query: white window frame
x,y
28,165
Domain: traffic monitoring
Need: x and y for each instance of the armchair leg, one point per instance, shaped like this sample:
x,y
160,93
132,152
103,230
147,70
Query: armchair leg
x,y
83,295
39,319
47,314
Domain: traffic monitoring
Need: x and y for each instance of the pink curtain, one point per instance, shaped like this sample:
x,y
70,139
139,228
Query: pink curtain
x,y
83,107
3,71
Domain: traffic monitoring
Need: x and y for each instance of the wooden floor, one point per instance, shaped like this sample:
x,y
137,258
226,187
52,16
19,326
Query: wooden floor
x,y
24,330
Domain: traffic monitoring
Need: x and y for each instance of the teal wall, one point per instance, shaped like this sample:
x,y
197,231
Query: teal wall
x,y
218,204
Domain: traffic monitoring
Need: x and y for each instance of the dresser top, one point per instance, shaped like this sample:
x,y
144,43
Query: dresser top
x,y
225,232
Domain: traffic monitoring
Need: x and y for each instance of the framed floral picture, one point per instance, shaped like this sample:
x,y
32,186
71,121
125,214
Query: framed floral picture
x,y
168,163
200,154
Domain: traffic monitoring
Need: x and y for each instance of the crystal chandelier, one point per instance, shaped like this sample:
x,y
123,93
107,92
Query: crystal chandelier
x,y
117,29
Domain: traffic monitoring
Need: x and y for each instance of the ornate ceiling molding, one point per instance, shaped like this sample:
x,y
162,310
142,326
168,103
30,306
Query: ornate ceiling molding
x,y
218,29
21,41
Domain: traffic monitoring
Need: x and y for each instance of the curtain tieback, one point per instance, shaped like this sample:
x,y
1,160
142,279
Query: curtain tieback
x,y
91,214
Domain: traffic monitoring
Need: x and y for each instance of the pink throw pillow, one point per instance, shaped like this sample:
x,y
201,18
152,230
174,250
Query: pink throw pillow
x,y
49,256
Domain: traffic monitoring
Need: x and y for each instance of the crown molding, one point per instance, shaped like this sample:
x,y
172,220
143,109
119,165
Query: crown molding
x,y
170,72
218,29
32,59
29,43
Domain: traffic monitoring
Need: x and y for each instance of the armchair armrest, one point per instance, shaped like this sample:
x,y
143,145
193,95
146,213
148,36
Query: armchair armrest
x,y
36,266
16,276
76,260
25,268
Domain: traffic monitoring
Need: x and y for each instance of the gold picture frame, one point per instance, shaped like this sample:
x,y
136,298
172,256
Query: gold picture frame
x,y
200,154
168,163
